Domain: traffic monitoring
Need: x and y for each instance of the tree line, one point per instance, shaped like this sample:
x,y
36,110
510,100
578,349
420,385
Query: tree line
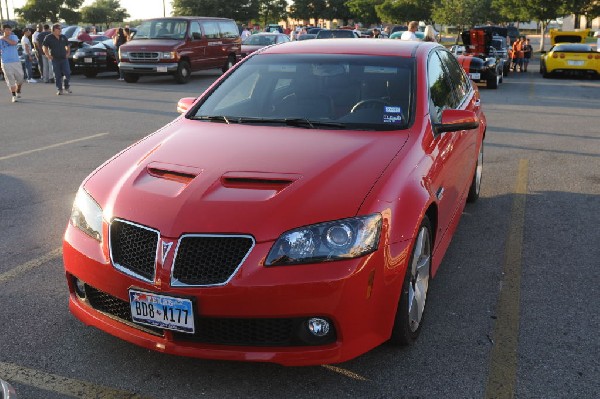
x,y
461,13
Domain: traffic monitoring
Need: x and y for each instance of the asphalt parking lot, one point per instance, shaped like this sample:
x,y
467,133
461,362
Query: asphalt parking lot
x,y
512,311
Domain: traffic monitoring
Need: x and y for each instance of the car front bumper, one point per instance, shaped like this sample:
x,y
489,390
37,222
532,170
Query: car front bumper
x,y
130,67
358,296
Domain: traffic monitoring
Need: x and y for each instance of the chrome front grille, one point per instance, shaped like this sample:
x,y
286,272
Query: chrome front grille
x,y
203,260
200,259
143,56
133,249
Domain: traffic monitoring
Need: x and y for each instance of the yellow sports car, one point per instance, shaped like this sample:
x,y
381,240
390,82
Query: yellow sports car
x,y
569,55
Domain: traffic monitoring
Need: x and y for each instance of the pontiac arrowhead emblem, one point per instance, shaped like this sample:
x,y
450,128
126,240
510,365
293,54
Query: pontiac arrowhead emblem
x,y
166,246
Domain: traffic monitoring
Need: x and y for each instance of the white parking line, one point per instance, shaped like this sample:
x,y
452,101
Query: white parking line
x,y
59,384
18,154
32,264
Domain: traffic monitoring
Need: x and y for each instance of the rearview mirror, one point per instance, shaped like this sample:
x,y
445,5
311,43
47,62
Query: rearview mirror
x,y
456,119
185,104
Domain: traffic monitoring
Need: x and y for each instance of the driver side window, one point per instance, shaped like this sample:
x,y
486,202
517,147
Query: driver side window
x,y
441,94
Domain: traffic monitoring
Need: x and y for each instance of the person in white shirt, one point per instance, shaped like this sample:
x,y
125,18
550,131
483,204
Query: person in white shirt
x,y
410,33
28,52
245,32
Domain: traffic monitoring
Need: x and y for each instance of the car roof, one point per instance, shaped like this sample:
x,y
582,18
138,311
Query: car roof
x,y
376,47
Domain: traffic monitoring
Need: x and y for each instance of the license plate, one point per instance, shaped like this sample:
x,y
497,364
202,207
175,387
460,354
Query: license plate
x,y
575,63
87,60
475,75
162,311
161,69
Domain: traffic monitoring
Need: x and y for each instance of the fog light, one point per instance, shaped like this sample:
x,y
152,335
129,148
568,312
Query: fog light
x,y
318,327
79,288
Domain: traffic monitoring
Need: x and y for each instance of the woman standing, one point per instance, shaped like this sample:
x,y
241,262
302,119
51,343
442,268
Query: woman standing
x,y
119,39
429,34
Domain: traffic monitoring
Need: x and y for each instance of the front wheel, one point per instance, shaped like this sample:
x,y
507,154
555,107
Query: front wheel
x,y
90,74
411,308
229,64
131,77
184,72
476,182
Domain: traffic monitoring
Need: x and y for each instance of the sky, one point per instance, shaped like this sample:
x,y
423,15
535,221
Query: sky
x,y
137,9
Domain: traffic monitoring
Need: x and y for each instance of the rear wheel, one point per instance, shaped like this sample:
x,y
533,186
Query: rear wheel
x,y
411,308
230,63
131,77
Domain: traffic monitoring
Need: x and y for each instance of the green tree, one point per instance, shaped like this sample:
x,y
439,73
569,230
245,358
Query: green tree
x,y
272,11
50,10
239,10
588,8
307,9
337,9
104,11
397,11
463,13
364,10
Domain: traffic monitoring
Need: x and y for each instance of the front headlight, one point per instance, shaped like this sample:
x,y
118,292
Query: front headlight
x,y
123,54
169,56
86,215
325,242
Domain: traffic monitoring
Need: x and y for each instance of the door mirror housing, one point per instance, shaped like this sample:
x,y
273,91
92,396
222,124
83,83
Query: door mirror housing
x,y
185,104
456,119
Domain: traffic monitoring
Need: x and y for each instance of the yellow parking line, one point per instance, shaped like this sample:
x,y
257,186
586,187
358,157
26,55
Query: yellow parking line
x,y
18,154
32,264
61,385
504,356
345,372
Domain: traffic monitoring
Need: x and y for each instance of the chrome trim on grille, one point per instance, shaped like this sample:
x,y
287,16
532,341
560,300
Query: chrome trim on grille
x,y
177,283
143,56
123,268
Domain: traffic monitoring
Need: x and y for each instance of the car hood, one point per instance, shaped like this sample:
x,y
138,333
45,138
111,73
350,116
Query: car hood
x,y
568,36
197,176
151,45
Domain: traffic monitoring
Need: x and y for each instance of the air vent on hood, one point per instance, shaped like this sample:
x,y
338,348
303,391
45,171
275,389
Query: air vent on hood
x,y
257,180
180,177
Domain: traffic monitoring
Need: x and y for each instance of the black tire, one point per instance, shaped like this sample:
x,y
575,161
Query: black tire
x,y
90,74
229,63
492,83
131,77
475,188
184,72
406,326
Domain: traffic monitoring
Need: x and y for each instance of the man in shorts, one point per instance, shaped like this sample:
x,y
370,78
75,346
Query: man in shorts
x,y
11,64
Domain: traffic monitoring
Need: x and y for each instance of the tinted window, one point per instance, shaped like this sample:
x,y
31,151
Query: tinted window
x,y
573,48
441,95
195,31
461,82
162,29
356,92
229,29
211,29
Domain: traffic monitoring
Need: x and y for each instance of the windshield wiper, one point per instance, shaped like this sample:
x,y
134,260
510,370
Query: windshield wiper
x,y
298,122
212,118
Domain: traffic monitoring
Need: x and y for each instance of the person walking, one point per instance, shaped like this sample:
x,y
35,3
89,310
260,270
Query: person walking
x,y
410,33
527,53
47,70
57,49
245,33
28,55
119,39
11,64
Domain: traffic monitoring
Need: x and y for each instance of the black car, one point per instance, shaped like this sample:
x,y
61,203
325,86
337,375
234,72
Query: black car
x,y
480,59
96,58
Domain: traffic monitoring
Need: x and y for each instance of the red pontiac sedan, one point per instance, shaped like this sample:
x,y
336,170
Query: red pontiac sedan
x,y
294,213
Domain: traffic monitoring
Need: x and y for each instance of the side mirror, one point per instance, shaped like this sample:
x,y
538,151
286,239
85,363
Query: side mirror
x,y
456,119
185,104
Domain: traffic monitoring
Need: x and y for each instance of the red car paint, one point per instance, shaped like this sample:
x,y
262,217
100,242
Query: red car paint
x,y
265,180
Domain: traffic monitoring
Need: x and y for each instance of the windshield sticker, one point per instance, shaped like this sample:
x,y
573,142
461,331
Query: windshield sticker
x,y
392,114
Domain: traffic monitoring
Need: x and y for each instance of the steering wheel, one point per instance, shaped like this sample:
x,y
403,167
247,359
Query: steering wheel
x,y
368,101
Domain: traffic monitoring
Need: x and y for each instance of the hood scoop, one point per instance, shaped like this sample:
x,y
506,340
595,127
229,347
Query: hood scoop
x,y
165,179
249,186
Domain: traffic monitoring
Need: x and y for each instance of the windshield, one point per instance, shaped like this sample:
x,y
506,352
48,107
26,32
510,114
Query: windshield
x,y
573,48
162,29
354,92
260,40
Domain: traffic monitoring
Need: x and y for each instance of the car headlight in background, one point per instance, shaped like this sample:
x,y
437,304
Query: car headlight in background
x,y
324,242
168,56
123,54
86,215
